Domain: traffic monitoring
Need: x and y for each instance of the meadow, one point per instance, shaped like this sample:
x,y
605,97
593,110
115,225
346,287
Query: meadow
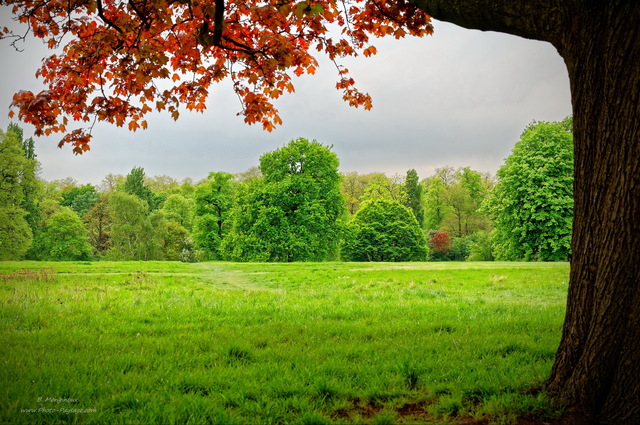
x,y
300,343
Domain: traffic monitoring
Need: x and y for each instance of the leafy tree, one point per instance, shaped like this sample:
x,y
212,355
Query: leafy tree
x,y
436,207
532,203
413,189
461,248
52,195
353,186
30,184
98,223
462,210
187,188
252,174
481,247
135,233
596,374
474,183
295,212
63,238
80,199
212,206
440,244
135,184
383,188
162,184
453,201
384,231
15,232
179,209
176,241
111,182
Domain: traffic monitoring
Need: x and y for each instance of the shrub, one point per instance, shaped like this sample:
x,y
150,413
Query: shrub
x,y
440,245
384,231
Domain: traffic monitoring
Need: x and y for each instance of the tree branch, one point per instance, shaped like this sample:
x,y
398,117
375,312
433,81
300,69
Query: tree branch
x,y
218,22
107,20
535,19
141,15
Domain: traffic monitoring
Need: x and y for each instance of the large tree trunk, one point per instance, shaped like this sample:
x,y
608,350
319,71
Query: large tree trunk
x,y
596,374
597,368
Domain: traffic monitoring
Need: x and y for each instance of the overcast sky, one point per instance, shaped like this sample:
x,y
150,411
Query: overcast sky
x,y
459,98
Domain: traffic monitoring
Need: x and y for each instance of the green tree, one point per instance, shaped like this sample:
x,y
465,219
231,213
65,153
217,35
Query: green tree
x,y
532,204
31,185
481,247
135,184
80,199
135,233
213,201
353,186
435,207
179,209
162,184
176,241
187,188
63,238
295,212
384,230
15,233
383,188
453,200
413,189
98,223
252,174
111,182
16,170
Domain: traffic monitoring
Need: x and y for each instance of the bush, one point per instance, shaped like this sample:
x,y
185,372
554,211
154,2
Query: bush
x,y
63,238
461,248
384,231
482,247
440,245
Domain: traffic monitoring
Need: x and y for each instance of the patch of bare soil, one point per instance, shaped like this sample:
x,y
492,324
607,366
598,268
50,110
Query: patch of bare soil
x,y
413,413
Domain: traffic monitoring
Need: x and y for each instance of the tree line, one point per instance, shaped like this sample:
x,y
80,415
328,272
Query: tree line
x,y
296,206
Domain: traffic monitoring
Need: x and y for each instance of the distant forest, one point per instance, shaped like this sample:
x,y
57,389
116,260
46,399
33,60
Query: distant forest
x,y
296,206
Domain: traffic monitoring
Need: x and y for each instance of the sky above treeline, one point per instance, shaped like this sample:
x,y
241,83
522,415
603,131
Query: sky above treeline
x,y
458,98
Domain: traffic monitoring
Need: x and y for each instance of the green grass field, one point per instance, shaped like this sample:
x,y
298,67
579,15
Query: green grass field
x,y
303,343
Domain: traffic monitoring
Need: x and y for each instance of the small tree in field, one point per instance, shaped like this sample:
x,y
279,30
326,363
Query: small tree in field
x,y
440,244
384,231
294,213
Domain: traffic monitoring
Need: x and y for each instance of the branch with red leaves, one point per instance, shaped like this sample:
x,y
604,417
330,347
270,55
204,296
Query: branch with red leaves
x,y
116,55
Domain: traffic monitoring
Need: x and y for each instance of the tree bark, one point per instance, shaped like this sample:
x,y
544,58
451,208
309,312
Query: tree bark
x,y
596,374
597,367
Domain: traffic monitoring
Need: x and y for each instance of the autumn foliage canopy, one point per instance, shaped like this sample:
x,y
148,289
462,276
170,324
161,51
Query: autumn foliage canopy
x,y
118,60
